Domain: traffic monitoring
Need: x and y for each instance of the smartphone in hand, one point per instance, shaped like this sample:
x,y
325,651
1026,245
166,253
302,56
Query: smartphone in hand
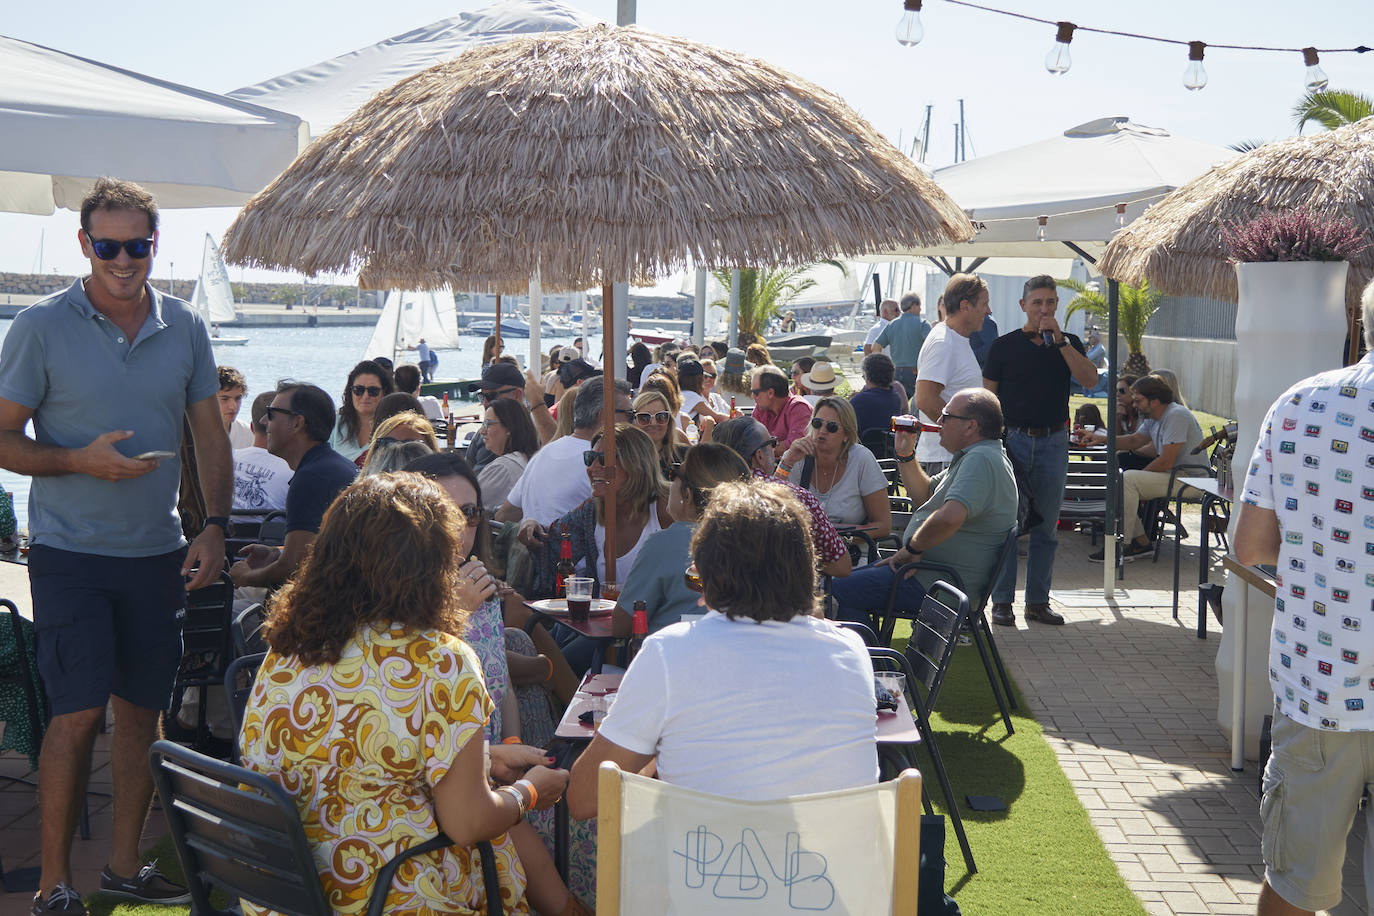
x,y
154,456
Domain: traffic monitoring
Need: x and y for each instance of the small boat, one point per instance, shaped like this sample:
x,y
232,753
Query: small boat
x,y
794,346
409,316
213,296
653,336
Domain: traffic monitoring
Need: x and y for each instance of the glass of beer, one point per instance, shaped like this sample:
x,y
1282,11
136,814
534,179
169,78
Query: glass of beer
x,y
693,579
579,598
610,591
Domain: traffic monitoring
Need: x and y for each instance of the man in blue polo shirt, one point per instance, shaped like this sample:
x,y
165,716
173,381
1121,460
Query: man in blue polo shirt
x,y
106,370
905,335
299,422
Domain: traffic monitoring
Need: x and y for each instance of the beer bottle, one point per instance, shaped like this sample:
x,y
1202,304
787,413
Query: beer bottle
x,y
734,411
445,411
638,630
564,568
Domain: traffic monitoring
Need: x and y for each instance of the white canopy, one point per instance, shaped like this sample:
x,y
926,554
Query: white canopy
x,y
67,120
1076,179
326,93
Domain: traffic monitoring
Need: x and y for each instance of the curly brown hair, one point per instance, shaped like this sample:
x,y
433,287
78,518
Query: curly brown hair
x,y
388,551
754,552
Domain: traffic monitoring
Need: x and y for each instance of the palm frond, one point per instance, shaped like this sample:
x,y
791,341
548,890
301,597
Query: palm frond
x,y
1332,108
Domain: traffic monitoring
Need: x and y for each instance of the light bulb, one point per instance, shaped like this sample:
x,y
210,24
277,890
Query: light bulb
x,y
1314,78
1058,60
1040,230
1195,77
909,28
1121,216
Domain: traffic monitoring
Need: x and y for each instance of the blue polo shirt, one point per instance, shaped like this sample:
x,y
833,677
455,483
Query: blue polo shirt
x,y
905,335
81,377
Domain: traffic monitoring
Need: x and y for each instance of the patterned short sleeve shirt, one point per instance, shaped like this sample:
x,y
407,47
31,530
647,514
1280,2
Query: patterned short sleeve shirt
x,y
1314,467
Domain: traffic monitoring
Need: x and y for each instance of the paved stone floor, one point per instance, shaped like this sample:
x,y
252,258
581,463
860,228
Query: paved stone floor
x,y
1126,695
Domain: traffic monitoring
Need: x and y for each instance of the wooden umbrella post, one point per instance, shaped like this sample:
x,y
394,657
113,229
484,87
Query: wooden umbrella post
x,y
608,424
496,329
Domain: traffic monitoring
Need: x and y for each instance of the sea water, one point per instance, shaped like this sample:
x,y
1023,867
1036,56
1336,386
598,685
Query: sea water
x,y
322,356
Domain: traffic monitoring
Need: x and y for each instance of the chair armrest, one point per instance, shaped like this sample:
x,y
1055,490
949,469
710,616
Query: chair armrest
x,y
377,902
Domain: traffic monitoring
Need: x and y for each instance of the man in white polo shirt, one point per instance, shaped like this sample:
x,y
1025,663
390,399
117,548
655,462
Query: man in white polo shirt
x,y
1308,507
947,363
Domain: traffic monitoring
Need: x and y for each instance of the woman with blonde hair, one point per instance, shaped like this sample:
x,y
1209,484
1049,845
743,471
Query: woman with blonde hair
x,y
757,353
844,475
406,426
657,419
368,635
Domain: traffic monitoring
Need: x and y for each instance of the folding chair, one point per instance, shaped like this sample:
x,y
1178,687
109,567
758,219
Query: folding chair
x,y
237,830
934,634
665,849
207,647
978,626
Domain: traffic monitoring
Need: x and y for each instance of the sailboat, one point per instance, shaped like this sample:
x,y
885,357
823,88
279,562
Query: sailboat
x,y
411,315
213,297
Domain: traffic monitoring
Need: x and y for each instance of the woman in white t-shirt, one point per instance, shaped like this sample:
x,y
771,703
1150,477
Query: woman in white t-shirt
x,y
759,699
843,474
708,388
509,433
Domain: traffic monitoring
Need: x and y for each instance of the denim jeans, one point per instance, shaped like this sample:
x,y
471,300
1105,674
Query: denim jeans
x,y
865,590
907,378
1045,464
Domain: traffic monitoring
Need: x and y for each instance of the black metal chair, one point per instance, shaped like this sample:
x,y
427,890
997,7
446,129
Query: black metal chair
x,y
934,635
272,531
238,684
207,648
238,831
978,627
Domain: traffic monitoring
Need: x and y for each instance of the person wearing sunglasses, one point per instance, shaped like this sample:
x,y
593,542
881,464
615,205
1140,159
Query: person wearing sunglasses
x,y
696,402
714,400
786,415
655,416
298,423
842,473
555,479
107,369
367,383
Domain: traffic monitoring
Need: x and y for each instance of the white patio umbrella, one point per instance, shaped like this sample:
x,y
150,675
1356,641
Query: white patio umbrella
x,y
67,121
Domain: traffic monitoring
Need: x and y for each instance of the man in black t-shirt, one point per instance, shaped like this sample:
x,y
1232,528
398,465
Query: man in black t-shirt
x,y
1029,370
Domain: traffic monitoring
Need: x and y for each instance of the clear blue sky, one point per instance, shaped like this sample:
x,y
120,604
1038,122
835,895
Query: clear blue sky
x,y
993,63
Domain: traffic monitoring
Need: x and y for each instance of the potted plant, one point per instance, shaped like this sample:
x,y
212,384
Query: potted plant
x,y
1134,308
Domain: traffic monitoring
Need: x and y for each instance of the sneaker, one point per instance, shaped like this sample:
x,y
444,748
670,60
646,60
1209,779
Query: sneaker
x,y
148,886
61,899
1133,551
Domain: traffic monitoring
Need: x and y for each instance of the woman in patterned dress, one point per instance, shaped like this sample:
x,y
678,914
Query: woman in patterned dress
x,y
369,711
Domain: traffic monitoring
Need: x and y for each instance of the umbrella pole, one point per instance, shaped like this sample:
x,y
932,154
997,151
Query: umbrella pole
x,y
608,377
496,329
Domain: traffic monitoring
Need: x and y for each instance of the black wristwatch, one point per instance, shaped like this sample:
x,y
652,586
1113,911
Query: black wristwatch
x,y
1063,342
221,520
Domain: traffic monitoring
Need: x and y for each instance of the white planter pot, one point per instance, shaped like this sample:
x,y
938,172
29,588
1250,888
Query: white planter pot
x,y
1290,324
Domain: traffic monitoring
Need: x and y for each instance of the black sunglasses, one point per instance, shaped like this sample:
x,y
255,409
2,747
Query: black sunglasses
x,y
661,416
499,392
952,416
709,374
385,441
830,425
590,457
360,390
108,249
273,412
472,512
674,471
755,392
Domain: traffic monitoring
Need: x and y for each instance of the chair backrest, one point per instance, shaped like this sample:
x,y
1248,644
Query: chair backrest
x,y
238,831
209,615
665,849
238,683
934,635
247,630
272,531
878,441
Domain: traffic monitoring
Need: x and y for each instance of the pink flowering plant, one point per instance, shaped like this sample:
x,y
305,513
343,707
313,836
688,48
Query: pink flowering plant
x,y
1294,235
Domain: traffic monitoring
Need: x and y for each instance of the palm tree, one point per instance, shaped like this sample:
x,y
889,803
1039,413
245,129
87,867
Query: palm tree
x,y
763,291
1134,308
1332,108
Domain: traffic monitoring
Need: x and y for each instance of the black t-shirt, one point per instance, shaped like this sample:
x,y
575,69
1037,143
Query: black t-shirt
x,y
322,475
1032,381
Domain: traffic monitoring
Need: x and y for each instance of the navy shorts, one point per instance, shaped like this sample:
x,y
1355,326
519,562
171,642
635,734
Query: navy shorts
x,y
107,625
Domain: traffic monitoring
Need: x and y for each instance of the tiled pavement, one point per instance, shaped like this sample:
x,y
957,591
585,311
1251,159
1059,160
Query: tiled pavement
x,y
1127,698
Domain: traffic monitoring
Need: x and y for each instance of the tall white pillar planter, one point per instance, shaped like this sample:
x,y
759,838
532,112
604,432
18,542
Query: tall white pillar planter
x,y
1290,324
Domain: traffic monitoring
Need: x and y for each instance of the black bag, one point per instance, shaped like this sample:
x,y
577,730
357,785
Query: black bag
x,y
931,899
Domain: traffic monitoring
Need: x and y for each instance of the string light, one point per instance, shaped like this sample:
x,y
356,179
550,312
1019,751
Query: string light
x,y
910,31
1058,60
1195,77
1121,216
909,28
1314,78
1040,231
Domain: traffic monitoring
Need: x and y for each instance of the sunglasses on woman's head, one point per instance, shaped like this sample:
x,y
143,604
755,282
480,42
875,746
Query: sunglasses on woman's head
x,y
674,471
590,457
373,390
472,512
108,249
830,425
644,419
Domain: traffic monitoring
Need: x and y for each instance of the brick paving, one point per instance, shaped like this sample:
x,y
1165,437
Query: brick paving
x,y
1127,698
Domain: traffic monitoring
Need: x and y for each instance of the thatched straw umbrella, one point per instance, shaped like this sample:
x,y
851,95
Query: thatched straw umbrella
x,y
592,156
1176,244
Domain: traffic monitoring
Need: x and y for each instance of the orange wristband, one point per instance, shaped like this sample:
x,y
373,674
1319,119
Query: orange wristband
x,y
549,676
529,787
511,739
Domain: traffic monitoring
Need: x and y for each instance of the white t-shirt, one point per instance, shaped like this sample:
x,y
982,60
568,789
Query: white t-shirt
x,y
432,406
260,479
872,336
844,502
751,710
499,476
946,358
690,399
240,435
624,564
554,482
719,404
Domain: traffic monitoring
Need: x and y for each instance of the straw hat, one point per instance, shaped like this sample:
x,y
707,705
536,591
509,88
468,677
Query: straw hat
x,y
1176,244
592,156
821,378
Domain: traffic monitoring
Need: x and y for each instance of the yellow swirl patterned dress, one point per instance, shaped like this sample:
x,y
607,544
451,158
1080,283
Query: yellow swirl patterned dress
x,y
359,746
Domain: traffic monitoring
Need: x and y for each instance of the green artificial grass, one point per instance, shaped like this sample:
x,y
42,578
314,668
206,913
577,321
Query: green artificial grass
x,y
1041,855
1204,419
167,862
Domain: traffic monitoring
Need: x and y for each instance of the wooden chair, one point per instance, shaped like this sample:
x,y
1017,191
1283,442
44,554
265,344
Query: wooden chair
x,y
665,849
237,830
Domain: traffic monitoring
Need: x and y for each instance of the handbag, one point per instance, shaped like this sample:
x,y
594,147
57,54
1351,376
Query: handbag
x,y
8,523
